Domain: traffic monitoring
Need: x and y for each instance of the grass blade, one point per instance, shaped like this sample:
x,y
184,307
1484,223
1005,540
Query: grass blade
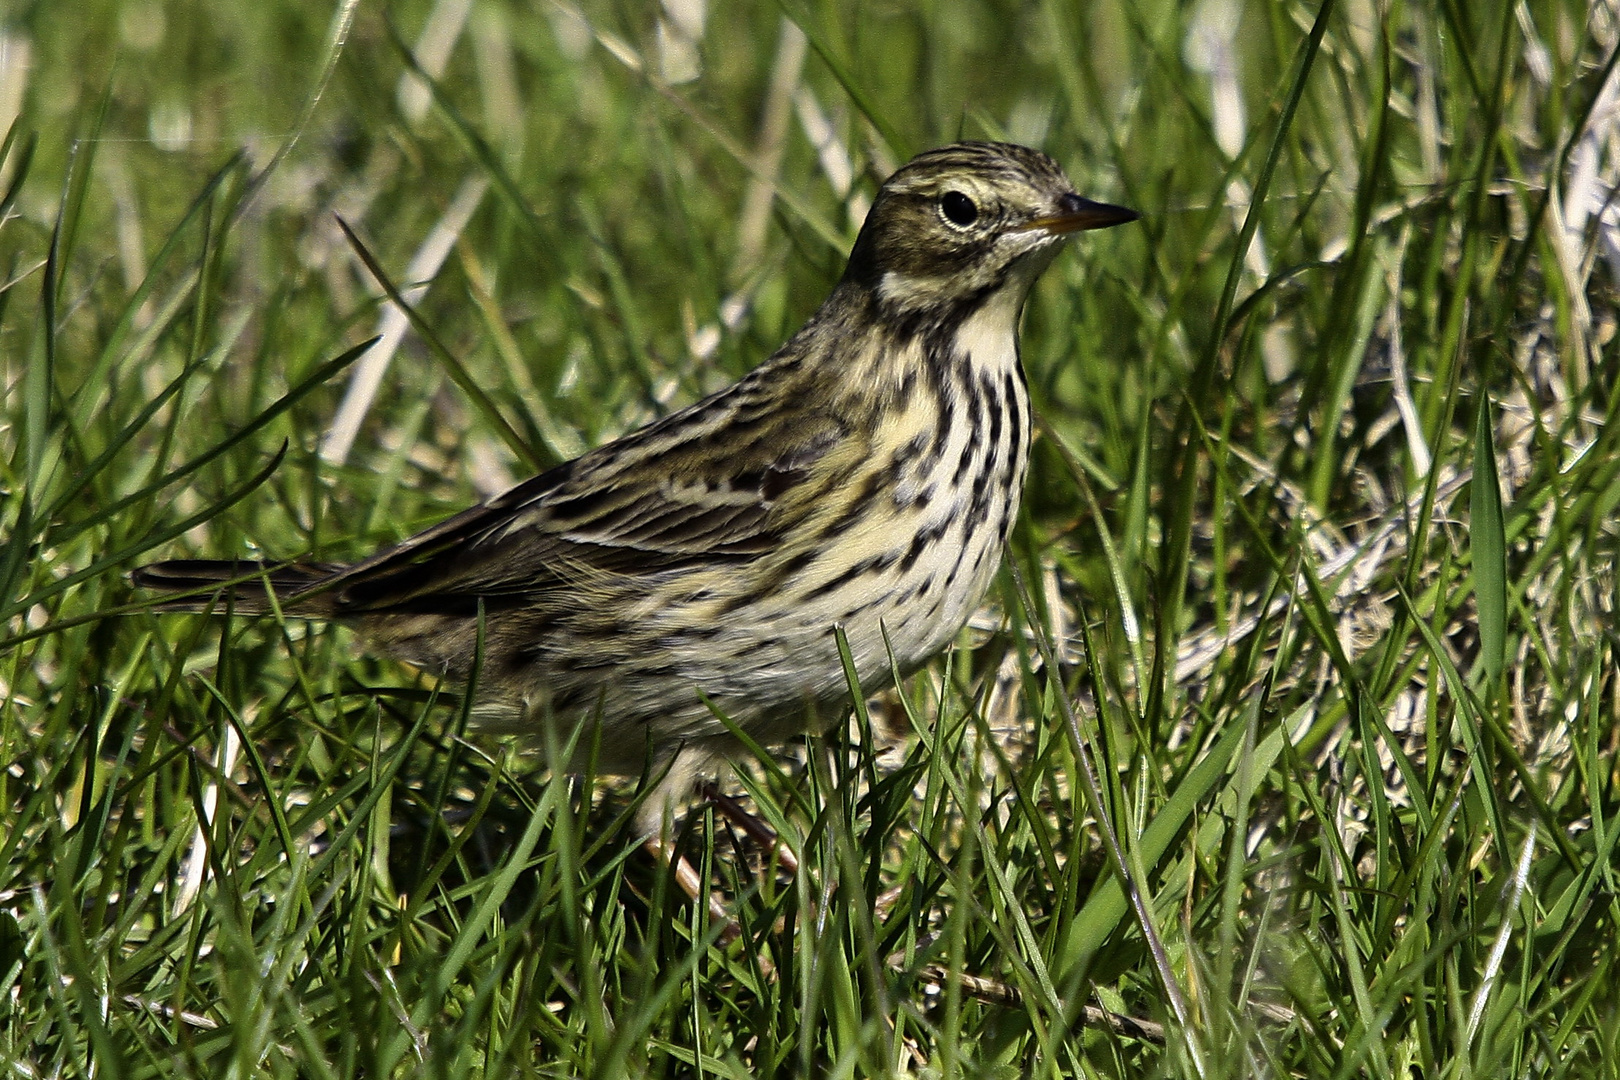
x,y
1487,545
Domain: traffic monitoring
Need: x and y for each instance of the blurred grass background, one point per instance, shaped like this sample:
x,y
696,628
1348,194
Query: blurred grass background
x,y
1353,713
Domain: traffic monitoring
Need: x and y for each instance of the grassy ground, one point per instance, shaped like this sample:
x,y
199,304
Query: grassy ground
x,y
1317,568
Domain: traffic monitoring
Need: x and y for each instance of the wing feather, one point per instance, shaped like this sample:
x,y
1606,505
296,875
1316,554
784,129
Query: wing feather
x,y
647,505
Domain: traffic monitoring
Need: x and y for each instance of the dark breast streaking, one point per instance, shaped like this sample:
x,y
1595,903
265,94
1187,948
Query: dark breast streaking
x,y
864,478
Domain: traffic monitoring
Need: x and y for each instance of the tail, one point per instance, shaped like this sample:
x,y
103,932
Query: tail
x,y
242,586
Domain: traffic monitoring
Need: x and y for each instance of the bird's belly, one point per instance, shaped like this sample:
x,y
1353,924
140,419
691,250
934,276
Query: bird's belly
x,y
898,580
894,616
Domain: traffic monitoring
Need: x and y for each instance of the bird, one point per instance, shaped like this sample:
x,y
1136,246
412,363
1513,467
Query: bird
x,y
863,479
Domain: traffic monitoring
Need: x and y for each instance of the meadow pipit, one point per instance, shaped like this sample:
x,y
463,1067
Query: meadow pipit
x,y
865,477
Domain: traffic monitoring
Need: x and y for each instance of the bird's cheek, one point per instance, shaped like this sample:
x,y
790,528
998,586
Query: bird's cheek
x,y
905,290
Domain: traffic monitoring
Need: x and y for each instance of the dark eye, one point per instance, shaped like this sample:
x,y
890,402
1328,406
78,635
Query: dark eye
x,y
958,209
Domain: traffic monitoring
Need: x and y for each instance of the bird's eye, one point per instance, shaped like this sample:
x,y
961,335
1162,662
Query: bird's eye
x,y
958,209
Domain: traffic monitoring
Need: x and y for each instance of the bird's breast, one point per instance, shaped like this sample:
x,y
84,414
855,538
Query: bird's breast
x,y
899,554
897,533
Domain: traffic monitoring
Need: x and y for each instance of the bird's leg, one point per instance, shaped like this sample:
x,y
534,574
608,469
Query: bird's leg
x,y
662,848
693,885
759,832
657,819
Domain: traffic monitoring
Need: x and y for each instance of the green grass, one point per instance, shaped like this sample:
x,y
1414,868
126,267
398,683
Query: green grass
x,y
1352,717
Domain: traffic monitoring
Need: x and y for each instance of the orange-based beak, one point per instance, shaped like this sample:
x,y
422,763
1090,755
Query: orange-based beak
x,y
1081,214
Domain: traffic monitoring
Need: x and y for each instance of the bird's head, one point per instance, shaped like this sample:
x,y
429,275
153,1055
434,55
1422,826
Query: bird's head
x,y
960,224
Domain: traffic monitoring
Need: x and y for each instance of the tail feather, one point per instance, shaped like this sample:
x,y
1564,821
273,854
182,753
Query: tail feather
x,y
243,586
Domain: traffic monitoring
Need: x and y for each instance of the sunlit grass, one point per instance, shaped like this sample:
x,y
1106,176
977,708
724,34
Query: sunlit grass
x,y
1351,718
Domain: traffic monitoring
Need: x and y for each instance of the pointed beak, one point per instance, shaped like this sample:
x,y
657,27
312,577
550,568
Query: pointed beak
x,y
1079,214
